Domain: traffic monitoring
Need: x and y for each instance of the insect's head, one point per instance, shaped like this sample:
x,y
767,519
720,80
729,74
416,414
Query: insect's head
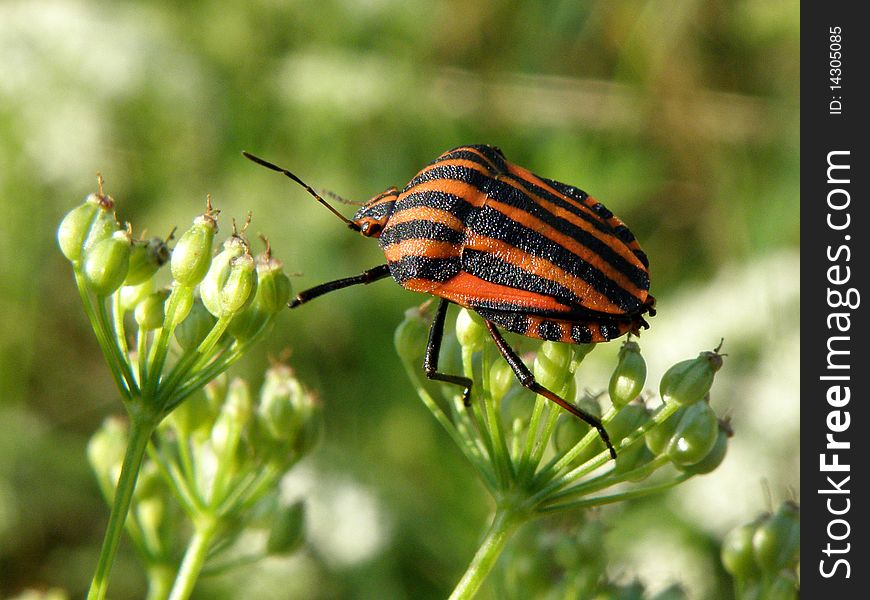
x,y
374,214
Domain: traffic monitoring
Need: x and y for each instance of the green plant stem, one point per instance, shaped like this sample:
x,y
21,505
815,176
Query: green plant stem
x,y
504,523
141,427
100,333
160,578
194,558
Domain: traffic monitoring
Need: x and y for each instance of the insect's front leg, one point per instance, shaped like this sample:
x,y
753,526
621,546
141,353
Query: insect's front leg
x,y
433,348
369,276
527,380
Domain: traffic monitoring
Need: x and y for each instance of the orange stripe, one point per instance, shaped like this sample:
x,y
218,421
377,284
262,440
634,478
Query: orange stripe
x,y
465,288
576,247
421,247
426,213
589,297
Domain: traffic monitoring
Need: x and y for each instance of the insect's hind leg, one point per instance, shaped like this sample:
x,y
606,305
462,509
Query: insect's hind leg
x,y
430,359
369,276
527,379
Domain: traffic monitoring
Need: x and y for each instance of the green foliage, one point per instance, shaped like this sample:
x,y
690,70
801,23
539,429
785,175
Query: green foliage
x,y
685,122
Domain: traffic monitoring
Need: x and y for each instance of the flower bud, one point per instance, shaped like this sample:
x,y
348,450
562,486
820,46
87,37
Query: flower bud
x,y
570,430
195,327
552,368
288,529
628,378
738,556
694,436
149,312
776,542
106,263
85,225
469,330
191,256
145,259
690,380
412,334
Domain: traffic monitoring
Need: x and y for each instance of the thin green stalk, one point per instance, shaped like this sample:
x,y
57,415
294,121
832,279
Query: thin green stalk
x,y
491,428
470,451
102,341
160,578
115,348
194,558
504,523
141,427
619,497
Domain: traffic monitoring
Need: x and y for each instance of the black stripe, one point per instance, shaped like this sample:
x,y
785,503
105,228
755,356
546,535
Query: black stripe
x,y
492,223
489,157
491,268
549,330
437,200
420,229
516,322
511,196
568,190
581,334
421,267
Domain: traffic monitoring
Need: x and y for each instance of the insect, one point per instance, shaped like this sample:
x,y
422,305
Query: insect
x,y
530,255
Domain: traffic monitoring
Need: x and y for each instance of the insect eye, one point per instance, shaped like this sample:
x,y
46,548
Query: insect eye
x,y
370,228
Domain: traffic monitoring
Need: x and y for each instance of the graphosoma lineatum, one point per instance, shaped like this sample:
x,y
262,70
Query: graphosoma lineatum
x,y
529,254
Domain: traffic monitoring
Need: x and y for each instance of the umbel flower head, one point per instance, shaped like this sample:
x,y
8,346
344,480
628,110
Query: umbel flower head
x,y
165,336
537,459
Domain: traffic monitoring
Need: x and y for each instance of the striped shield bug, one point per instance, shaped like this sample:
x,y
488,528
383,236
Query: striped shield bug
x,y
530,255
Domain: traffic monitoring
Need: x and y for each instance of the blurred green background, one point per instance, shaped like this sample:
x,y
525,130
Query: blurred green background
x,y
681,116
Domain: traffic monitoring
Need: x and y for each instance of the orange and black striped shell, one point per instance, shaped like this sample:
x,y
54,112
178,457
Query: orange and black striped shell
x,y
532,255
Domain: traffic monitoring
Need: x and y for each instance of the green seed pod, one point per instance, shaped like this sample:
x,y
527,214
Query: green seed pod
x,y
501,379
628,420
131,295
191,256
106,450
412,334
782,587
149,312
777,541
195,327
738,556
658,438
695,435
273,292
233,418
469,330
672,592
689,381
282,403
716,455
85,225
193,417
145,259
287,531
552,366
231,279
570,430
273,284
628,378
106,263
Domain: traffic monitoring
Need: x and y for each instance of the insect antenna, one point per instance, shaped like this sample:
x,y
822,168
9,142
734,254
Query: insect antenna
x,y
308,188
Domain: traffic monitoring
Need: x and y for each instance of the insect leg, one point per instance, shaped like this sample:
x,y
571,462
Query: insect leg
x,y
430,360
527,379
369,276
